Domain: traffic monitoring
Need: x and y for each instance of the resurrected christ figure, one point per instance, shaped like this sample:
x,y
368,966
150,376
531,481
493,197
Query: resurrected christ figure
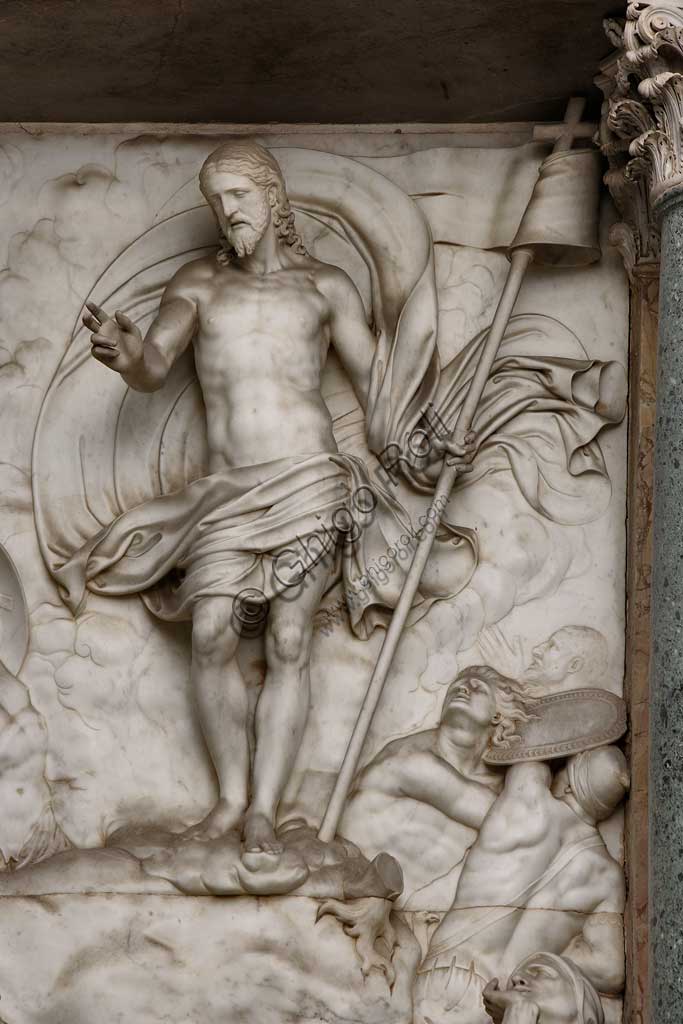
x,y
261,315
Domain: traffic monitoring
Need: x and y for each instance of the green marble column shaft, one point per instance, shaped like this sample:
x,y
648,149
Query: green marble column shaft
x,y
666,670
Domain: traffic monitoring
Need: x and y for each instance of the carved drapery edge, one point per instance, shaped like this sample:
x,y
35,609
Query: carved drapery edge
x,y
641,125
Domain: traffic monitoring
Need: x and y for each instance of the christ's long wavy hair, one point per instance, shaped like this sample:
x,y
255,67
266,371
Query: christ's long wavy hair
x,y
242,156
514,702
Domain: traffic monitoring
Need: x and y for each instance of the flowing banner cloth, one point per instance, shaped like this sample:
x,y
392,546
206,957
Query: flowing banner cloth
x,y
129,499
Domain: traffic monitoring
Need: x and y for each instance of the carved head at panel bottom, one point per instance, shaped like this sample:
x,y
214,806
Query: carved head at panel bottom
x,y
558,988
485,699
597,780
244,186
573,651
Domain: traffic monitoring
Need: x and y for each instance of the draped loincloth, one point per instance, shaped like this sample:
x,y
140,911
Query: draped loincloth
x,y
266,528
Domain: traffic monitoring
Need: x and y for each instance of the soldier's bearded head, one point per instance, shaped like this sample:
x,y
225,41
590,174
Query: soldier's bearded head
x,y
573,651
244,186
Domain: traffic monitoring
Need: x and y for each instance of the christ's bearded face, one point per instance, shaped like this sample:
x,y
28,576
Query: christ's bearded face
x,y
240,206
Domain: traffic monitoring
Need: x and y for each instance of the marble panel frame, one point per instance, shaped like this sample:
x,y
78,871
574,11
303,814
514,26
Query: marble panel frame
x,y
644,294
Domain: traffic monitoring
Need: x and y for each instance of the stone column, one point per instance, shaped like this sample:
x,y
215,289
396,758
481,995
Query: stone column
x,y
642,370
666,664
642,139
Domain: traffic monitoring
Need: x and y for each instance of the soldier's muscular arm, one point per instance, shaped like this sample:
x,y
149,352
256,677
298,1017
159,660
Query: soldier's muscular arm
x,y
403,772
145,363
599,951
445,788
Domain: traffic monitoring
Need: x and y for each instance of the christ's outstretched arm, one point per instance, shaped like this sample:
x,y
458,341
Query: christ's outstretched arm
x,y
145,363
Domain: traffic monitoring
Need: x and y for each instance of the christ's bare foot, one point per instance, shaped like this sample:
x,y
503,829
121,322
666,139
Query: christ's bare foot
x,y
259,836
222,818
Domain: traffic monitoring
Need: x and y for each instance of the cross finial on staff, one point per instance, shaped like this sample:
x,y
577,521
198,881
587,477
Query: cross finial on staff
x,y
564,133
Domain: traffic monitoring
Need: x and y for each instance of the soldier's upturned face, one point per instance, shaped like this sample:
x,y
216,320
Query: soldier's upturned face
x,y
241,208
541,984
469,698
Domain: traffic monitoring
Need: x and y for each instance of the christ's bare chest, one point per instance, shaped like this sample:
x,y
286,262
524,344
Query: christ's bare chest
x,y
262,326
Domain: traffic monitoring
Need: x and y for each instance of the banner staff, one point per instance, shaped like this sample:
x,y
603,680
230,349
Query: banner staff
x,y
553,232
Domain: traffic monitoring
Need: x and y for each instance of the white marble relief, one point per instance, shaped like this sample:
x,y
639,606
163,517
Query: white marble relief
x,y
547,989
209,525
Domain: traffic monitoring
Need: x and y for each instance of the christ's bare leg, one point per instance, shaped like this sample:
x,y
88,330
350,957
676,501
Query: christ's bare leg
x,y
223,712
282,709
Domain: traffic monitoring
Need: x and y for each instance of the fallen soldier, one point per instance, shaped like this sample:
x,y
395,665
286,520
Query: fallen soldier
x,y
540,876
544,989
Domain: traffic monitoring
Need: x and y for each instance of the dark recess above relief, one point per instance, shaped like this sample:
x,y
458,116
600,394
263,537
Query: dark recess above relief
x,y
249,61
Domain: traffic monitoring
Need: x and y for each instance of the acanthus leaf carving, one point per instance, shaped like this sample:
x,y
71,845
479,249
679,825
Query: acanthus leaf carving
x,y
640,131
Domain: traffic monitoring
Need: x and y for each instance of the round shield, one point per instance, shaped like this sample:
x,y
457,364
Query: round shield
x,y
563,724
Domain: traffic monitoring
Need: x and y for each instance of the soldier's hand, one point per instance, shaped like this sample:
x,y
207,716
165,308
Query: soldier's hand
x,y
116,341
509,1005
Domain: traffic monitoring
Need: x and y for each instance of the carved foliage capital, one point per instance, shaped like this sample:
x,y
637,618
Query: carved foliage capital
x,y
641,127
